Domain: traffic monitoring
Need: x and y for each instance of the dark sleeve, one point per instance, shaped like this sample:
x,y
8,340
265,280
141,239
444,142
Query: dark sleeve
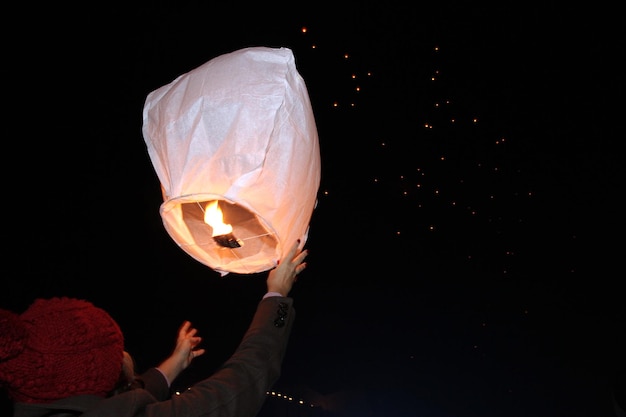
x,y
238,388
155,383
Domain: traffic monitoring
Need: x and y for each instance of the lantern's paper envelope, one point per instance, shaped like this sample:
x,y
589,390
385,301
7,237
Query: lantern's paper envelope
x,y
238,129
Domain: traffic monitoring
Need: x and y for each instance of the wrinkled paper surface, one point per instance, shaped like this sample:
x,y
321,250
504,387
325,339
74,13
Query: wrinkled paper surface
x,y
238,129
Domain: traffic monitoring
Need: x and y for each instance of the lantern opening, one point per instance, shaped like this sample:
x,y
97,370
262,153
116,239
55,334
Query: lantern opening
x,y
184,219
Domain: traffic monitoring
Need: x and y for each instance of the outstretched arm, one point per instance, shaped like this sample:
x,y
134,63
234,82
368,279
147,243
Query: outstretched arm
x,y
238,388
184,352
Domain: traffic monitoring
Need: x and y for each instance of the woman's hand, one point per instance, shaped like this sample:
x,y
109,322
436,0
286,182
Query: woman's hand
x,y
281,278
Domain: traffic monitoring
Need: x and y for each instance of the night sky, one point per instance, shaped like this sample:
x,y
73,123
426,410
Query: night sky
x,y
464,250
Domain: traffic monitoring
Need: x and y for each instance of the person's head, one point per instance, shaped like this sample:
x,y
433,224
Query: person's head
x,y
58,348
128,378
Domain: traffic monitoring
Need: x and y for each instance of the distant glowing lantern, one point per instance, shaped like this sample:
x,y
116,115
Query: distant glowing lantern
x,y
235,147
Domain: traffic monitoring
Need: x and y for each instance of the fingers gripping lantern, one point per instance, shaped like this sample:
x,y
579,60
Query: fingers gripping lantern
x,y
235,147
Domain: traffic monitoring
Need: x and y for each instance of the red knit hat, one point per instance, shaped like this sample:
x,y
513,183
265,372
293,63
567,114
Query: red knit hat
x,y
59,348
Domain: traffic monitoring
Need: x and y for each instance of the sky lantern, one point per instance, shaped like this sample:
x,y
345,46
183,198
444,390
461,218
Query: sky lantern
x,y
235,147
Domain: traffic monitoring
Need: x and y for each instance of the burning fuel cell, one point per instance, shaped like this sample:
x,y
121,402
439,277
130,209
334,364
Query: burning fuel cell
x,y
222,232
228,241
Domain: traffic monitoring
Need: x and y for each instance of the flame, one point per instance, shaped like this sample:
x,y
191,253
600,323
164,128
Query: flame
x,y
213,217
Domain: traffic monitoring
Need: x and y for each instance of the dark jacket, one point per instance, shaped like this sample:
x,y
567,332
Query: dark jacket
x,y
237,389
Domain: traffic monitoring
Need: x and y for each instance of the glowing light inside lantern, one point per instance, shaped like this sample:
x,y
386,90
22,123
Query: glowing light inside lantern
x,y
222,235
214,217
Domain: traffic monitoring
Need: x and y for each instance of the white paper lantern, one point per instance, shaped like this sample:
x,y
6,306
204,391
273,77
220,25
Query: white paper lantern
x,y
238,131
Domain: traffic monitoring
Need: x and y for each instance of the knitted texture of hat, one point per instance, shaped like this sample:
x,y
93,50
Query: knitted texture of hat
x,y
58,348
